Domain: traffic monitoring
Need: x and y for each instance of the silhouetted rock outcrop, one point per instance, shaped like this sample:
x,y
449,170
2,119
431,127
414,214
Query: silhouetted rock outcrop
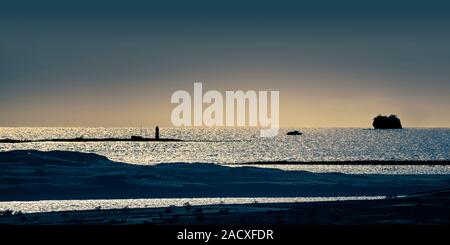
x,y
387,122
295,132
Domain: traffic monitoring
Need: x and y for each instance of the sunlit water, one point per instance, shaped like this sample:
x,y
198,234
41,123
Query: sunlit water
x,y
67,205
234,146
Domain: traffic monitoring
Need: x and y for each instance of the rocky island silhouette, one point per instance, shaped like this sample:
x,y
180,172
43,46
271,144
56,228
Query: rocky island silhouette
x,y
387,122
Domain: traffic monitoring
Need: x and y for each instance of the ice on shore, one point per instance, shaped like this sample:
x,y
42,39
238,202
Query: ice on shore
x,y
58,175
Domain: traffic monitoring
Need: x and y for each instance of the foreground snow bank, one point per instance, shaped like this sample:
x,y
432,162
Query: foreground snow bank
x,y
35,175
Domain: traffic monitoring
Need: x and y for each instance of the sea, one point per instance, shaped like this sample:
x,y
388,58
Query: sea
x,y
237,147
243,145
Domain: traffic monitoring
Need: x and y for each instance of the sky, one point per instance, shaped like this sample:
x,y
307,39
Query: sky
x,y
117,63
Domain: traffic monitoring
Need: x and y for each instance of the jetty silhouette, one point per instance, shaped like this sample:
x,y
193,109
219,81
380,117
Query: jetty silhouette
x,y
133,138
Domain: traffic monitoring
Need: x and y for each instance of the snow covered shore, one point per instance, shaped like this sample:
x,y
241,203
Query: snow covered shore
x,y
58,175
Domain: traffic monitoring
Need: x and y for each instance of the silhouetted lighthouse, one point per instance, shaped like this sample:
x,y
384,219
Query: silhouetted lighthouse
x,y
157,133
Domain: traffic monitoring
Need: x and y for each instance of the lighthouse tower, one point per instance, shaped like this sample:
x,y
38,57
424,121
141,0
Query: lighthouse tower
x,y
157,133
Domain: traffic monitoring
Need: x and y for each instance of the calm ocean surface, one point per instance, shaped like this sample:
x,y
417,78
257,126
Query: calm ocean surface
x,y
245,145
234,146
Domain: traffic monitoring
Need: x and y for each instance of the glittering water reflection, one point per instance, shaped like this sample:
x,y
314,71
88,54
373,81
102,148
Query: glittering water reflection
x,y
66,205
233,146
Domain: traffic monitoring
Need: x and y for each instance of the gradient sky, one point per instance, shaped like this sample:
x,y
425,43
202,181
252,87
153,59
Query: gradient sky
x,y
112,63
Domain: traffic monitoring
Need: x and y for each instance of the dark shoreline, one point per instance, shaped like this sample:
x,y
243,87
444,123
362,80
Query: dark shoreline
x,y
27,175
432,207
132,139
